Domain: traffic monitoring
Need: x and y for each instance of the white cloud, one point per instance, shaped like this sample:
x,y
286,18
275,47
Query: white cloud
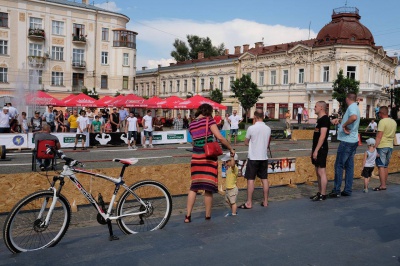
x,y
156,37
110,6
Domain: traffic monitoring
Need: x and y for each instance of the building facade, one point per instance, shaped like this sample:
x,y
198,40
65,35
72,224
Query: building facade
x,y
62,47
290,74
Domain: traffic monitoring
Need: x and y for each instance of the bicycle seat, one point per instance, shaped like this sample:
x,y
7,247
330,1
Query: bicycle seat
x,y
129,161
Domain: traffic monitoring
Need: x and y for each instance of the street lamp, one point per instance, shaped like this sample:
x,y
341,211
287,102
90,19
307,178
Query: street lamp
x,y
390,89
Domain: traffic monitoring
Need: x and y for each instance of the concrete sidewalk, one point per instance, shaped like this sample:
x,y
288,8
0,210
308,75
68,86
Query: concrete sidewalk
x,y
359,230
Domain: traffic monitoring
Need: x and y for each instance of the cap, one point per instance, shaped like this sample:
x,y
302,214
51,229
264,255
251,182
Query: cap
x,y
370,141
37,112
115,108
227,157
5,108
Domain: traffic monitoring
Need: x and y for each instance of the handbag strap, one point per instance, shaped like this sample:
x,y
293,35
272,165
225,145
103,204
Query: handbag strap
x,y
206,129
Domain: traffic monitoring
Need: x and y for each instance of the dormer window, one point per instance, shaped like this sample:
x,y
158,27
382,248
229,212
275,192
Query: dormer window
x,y
353,38
327,39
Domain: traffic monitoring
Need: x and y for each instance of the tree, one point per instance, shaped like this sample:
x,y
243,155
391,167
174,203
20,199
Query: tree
x,y
196,44
343,85
216,96
246,92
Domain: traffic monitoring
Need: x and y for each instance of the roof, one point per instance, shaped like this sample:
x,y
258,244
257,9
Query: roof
x,y
81,5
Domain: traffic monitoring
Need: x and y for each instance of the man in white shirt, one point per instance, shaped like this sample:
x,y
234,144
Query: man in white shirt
x,y
257,138
132,129
373,125
299,114
82,130
147,123
234,120
5,120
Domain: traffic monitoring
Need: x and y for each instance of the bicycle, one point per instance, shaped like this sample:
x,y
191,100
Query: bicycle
x,y
41,219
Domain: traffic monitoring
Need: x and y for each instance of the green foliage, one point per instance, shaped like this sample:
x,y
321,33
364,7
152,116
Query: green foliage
x,y
343,85
246,92
196,44
216,96
189,95
117,94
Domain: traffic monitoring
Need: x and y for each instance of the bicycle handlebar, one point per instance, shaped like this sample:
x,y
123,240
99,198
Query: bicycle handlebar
x,y
68,161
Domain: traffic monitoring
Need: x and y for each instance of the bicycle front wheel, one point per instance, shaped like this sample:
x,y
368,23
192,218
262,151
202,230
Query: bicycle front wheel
x,y
158,207
24,228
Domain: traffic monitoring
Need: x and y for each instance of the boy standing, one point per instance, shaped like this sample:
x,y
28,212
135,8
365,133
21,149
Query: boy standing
x,y
147,123
231,179
368,162
132,129
83,126
96,125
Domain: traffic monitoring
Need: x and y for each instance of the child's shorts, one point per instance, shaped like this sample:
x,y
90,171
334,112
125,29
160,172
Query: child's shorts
x,y
367,172
231,195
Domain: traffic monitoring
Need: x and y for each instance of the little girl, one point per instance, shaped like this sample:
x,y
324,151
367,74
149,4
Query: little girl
x,y
107,127
369,162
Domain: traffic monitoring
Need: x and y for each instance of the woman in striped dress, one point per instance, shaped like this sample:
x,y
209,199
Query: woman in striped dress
x,y
204,170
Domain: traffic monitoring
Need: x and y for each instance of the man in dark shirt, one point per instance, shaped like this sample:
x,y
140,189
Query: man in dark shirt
x,y
320,149
45,135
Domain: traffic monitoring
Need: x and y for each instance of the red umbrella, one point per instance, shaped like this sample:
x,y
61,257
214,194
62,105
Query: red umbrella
x,y
152,102
197,100
115,100
42,98
81,100
130,100
170,102
105,100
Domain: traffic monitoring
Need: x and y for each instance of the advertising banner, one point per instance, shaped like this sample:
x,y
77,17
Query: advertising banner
x,y
168,137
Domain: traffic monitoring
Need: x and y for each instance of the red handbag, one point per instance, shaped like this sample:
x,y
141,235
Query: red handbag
x,y
211,149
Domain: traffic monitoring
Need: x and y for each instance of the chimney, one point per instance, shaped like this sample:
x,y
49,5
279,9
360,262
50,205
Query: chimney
x,y
226,51
85,2
245,47
159,65
144,68
200,55
259,44
237,49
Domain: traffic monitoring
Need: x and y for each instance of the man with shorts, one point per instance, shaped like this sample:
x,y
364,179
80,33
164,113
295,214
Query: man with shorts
x,y
384,143
82,130
147,123
234,120
319,150
72,120
257,138
132,129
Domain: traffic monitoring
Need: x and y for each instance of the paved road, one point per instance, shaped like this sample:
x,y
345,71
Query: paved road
x,y
359,230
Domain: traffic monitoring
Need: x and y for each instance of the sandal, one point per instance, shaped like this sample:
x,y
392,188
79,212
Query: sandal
x,y
379,188
243,206
188,219
208,218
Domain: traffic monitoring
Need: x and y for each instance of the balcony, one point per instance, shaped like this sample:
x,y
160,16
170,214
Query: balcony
x,y
77,88
79,64
37,34
36,61
79,39
124,44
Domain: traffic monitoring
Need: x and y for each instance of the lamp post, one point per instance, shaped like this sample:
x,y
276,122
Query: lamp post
x,y
391,89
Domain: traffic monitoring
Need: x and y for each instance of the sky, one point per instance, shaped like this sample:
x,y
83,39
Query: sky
x,y
159,22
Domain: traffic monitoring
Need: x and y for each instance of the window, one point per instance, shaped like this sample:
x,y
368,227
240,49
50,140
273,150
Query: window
x,y
248,74
211,83
78,56
104,82
3,20
261,78
231,80
126,59
351,72
163,86
325,77
123,38
285,77
125,82
35,49
104,34
185,85
170,86
58,27
78,30
104,58
301,75
221,83
3,74
273,77
202,84
193,85
178,83
35,23
57,78
154,89
57,53
78,79
3,47
35,76
148,90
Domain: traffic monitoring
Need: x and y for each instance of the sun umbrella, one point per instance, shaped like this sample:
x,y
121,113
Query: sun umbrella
x,y
105,100
197,100
152,102
81,100
43,99
130,100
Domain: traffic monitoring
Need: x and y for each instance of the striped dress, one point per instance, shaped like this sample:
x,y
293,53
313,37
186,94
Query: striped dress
x,y
204,171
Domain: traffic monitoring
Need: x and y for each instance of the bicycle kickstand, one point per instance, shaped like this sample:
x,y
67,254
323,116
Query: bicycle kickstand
x,y
112,236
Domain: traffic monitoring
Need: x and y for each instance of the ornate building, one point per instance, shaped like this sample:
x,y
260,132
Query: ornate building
x,y
291,74
64,46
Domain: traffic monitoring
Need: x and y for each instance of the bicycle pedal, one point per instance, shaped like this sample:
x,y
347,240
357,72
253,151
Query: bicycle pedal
x,y
111,238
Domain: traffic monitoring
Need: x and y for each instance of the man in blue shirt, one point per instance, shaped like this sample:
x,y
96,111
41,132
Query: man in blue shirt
x,y
123,115
348,136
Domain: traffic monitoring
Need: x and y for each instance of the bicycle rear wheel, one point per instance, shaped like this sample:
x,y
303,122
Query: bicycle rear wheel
x,y
24,229
158,207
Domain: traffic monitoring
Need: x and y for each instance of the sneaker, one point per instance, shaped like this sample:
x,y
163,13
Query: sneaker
x,y
334,195
316,195
129,147
345,194
144,146
74,148
134,148
151,146
42,168
230,214
365,190
319,198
